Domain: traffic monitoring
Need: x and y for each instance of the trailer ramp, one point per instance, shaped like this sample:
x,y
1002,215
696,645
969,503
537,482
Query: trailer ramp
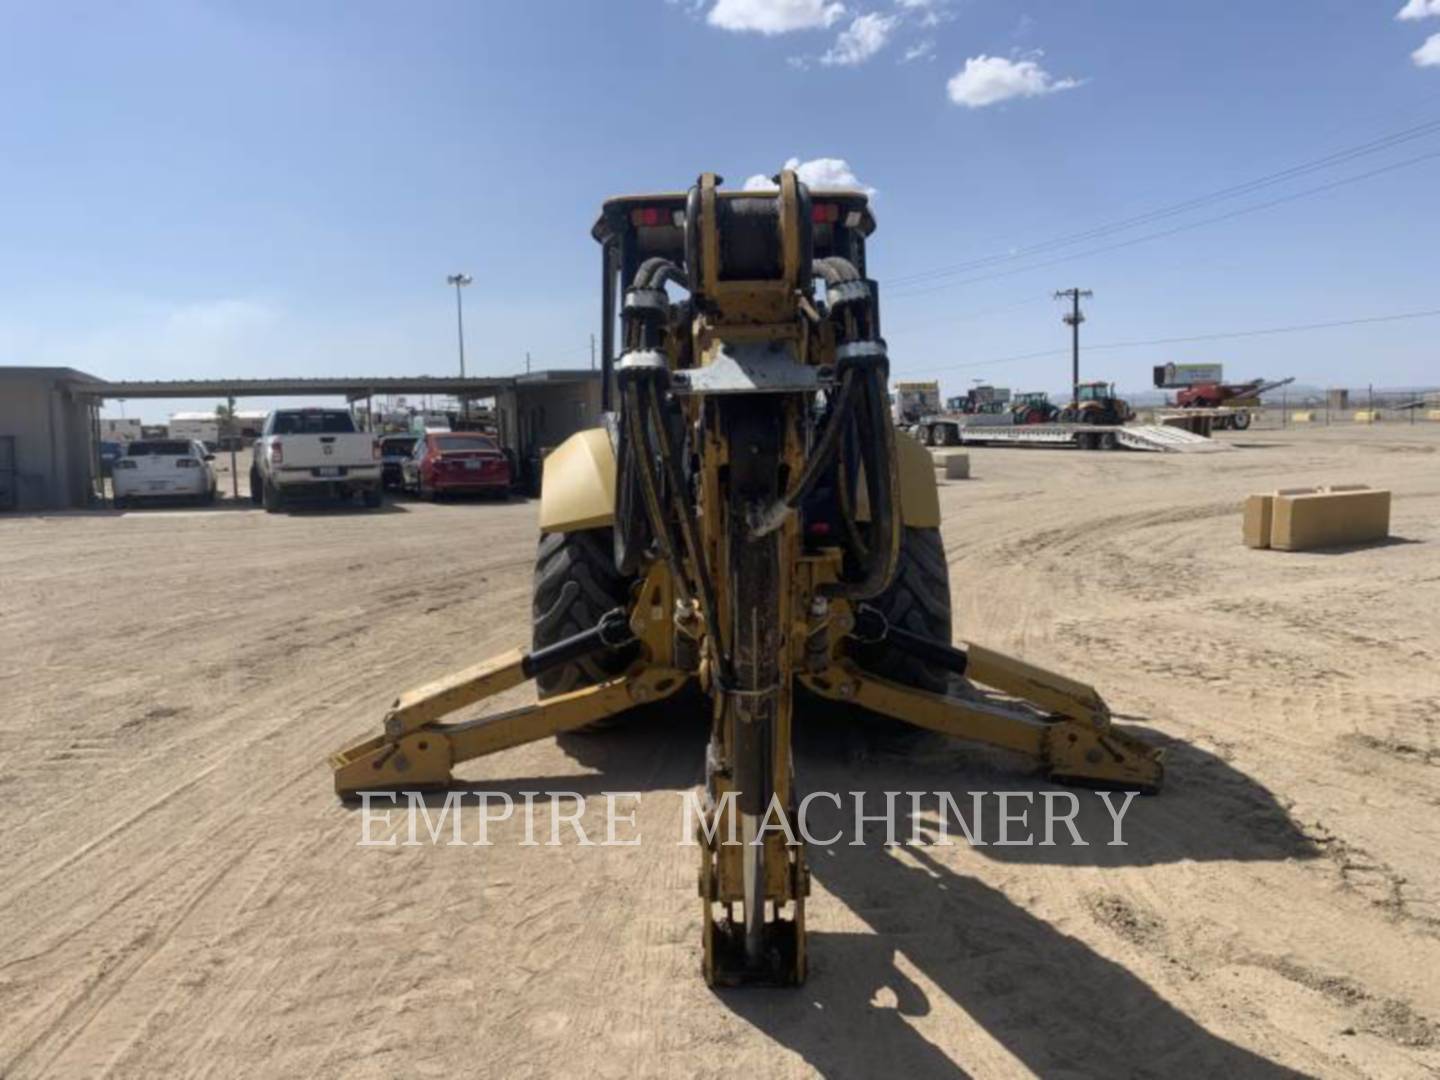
x,y
1152,437
1167,439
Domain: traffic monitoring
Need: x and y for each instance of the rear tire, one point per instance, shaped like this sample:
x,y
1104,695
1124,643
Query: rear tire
x,y
272,496
575,583
257,495
918,600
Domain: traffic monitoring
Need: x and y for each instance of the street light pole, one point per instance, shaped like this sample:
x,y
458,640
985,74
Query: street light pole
x,y
460,281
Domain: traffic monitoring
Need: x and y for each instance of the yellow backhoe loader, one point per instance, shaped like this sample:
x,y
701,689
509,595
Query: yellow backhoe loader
x,y
748,522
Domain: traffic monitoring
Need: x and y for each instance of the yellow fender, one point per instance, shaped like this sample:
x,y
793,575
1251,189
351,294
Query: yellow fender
x,y
578,487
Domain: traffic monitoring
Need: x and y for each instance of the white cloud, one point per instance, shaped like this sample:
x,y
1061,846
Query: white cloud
x,y
987,80
867,35
925,50
1419,9
774,16
1428,55
817,173
929,12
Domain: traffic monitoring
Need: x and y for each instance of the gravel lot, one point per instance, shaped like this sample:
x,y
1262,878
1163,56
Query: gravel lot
x,y
183,895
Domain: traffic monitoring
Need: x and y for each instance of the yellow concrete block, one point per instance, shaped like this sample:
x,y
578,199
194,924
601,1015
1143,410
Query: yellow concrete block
x,y
1329,519
1432,414
1303,417
957,466
1255,526
1367,416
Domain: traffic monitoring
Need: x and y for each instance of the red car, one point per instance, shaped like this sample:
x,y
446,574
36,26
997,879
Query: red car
x,y
446,462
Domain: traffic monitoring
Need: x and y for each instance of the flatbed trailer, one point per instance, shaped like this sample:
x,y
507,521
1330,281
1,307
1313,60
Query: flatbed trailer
x,y
1152,437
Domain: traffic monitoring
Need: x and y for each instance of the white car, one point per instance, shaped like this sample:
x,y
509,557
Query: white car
x,y
163,469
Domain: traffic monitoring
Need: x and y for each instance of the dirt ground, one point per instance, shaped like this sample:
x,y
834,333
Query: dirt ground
x,y
183,895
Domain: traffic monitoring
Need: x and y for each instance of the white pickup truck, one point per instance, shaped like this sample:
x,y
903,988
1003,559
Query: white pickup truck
x,y
310,452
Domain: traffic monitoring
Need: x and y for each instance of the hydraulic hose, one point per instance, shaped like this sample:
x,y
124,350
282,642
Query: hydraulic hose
x,y
640,459
689,531
820,461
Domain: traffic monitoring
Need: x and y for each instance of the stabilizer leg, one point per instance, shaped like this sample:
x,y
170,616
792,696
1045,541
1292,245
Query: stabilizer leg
x,y
1068,731
422,757
416,751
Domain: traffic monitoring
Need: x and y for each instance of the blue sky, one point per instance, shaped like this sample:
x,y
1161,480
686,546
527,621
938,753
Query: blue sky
x,y
196,189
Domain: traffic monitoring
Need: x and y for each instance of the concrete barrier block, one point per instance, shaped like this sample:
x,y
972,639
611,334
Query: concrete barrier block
x,y
1432,414
1255,526
1329,519
1367,416
956,465
1302,417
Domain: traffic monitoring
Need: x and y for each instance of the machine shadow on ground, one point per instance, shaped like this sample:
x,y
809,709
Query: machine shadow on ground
x,y
1047,998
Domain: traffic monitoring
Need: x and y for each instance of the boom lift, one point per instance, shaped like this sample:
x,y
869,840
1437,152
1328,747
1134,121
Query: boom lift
x,y
747,522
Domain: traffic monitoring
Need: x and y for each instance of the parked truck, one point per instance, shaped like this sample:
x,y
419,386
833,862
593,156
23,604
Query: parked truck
x,y
314,452
911,401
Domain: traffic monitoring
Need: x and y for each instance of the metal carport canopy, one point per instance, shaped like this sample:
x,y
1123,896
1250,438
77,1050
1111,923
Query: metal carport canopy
x,y
349,387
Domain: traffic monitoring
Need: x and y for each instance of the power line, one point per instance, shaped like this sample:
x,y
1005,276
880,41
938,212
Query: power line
x,y
1338,157
1242,211
973,315
1292,329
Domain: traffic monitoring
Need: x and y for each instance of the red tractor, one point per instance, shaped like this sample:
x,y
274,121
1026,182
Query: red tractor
x,y
1034,408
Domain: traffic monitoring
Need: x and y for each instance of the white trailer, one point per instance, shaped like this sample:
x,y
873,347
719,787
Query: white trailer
x,y
122,429
203,427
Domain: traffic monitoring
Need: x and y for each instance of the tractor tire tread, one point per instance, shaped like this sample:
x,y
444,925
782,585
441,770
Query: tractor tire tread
x,y
918,600
575,583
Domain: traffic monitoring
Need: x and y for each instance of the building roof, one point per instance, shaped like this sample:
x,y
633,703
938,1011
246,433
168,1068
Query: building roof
x,y
61,374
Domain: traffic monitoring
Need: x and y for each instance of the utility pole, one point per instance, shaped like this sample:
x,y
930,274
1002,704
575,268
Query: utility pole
x,y
1074,318
460,281
527,361
592,352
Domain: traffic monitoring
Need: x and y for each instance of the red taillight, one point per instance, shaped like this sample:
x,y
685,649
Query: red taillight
x,y
277,453
818,528
825,213
648,215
